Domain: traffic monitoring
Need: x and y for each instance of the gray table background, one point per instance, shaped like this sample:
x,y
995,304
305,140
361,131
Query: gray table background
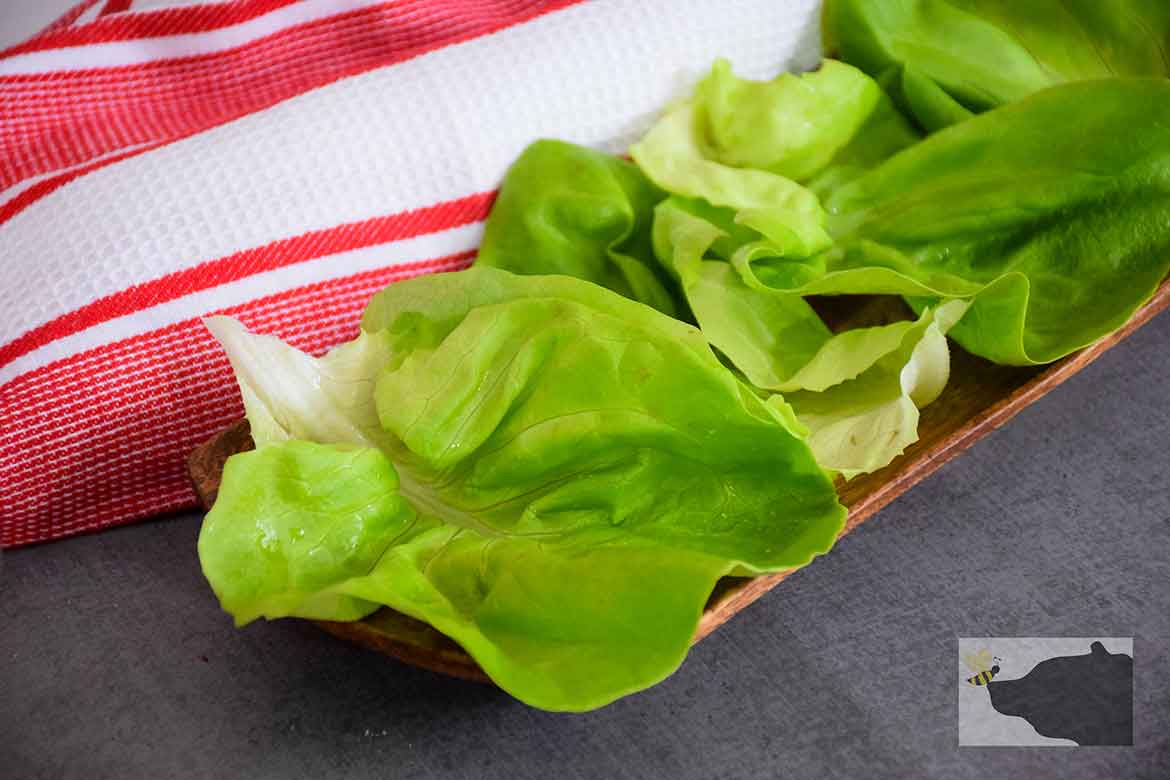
x,y
116,661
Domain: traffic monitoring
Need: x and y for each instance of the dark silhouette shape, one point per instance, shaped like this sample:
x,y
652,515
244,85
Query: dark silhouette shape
x,y
1085,698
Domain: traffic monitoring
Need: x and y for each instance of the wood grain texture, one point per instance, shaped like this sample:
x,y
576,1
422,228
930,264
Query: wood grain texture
x,y
979,398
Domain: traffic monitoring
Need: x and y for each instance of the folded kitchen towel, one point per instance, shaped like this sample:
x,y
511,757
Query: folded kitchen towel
x,y
278,162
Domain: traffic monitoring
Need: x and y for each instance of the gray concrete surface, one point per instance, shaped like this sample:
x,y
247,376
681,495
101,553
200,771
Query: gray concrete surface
x,y
116,662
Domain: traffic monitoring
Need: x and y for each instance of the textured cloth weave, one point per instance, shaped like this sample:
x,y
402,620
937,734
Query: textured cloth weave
x,y
279,162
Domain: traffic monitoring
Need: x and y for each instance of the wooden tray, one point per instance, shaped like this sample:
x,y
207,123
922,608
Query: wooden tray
x,y
979,398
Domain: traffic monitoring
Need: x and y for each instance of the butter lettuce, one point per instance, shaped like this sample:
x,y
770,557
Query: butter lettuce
x,y
819,128
553,456
751,147
1043,219
944,60
786,213
856,394
860,420
566,620
1057,217
551,474
293,522
1050,221
769,337
564,209
290,395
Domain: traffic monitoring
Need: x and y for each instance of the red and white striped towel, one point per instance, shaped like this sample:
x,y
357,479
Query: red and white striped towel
x,y
279,162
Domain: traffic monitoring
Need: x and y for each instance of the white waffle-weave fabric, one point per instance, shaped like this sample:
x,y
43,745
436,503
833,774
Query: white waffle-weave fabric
x,y
279,162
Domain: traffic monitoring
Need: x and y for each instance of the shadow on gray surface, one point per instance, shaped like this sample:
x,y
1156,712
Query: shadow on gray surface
x,y
1087,698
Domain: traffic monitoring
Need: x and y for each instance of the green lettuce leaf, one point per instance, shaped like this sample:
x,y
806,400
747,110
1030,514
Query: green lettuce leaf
x,y
1051,221
750,147
768,336
737,149
554,472
564,621
293,520
943,60
819,129
856,393
565,209
786,213
581,469
867,387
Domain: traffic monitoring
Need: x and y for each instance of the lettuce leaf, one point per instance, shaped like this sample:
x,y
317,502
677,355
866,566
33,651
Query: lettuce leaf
x,y
554,472
787,214
867,387
565,209
561,476
944,60
564,621
1047,219
819,129
293,521
763,151
856,393
290,395
770,337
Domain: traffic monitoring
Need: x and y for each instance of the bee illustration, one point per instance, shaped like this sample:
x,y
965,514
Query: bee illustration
x,y
984,666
